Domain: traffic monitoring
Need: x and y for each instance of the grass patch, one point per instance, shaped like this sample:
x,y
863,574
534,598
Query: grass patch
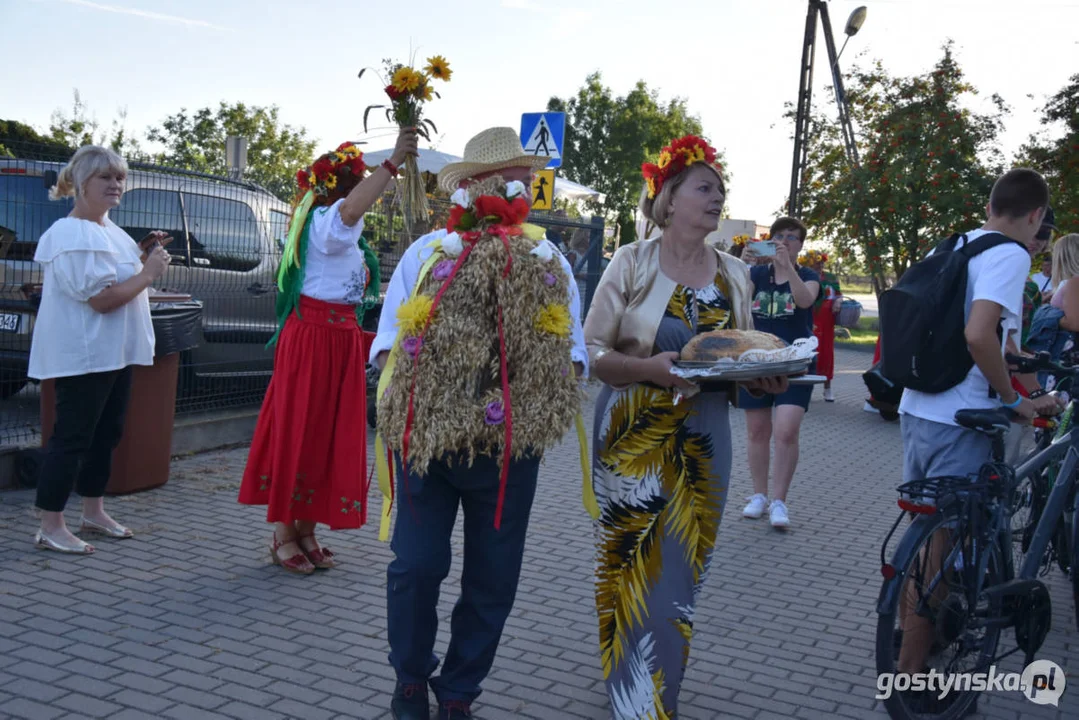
x,y
865,335
854,288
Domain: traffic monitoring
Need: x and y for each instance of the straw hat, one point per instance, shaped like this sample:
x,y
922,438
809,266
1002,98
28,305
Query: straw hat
x,y
493,149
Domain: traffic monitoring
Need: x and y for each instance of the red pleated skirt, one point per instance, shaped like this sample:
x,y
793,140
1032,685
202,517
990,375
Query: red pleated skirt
x,y
824,329
308,458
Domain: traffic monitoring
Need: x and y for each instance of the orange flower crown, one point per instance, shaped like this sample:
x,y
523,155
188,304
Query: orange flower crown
x,y
675,158
321,178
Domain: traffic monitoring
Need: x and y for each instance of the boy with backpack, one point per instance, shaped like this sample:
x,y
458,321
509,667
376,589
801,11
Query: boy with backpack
x,y
944,330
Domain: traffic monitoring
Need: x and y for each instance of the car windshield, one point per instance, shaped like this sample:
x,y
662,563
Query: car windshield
x,y
25,214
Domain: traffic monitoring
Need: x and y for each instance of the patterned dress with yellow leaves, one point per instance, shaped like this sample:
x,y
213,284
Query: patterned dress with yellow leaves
x,y
660,475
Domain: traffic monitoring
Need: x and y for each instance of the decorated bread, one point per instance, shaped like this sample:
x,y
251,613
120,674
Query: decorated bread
x,y
719,344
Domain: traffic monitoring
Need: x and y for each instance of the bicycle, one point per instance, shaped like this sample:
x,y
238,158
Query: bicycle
x,y
952,579
1033,491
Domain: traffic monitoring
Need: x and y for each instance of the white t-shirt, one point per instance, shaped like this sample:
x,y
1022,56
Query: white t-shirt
x,y
334,270
999,275
80,259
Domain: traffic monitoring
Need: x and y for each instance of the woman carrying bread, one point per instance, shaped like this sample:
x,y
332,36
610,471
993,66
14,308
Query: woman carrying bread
x,y
661,468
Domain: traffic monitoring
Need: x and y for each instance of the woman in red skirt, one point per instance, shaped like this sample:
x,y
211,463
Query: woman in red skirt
x,y
308,459
825,309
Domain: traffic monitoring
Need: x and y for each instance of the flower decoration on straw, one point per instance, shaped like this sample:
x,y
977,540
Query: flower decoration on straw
x,y
554,319
323,175
676,157
408,90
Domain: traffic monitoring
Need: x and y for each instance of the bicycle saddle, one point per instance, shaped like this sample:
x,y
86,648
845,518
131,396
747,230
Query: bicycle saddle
x,y
986,421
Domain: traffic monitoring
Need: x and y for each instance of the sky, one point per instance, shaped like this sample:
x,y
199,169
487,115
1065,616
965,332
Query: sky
x,y
736,62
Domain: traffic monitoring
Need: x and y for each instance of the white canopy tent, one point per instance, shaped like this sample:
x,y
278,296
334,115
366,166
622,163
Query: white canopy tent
x,y
432,161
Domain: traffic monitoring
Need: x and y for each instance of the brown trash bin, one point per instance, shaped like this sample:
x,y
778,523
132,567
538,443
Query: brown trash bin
x,y
141,460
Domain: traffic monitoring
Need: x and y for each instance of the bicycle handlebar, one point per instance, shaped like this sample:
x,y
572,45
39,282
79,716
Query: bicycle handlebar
x,y
1040,363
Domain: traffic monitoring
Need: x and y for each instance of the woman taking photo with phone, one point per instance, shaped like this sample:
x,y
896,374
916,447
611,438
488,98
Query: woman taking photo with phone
x,y
783,297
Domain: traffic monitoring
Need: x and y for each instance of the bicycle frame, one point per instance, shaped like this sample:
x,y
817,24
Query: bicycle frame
x,y
1068,447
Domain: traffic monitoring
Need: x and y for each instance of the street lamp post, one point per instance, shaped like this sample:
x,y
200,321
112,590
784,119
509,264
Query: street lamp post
x,y
819,9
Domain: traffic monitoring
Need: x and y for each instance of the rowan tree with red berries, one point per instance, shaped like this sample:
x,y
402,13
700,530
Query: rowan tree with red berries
x,y
927,165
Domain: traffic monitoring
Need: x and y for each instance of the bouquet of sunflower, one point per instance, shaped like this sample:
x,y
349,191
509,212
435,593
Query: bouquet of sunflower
x,y
408,90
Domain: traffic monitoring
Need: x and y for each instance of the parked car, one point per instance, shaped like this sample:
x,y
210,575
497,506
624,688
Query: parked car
x,y
225,252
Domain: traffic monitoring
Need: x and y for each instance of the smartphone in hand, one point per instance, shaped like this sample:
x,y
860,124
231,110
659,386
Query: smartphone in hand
x,y
764,248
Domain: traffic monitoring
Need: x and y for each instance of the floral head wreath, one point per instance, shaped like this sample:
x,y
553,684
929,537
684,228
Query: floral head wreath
x,y
812,257
321,178
675,158
739,240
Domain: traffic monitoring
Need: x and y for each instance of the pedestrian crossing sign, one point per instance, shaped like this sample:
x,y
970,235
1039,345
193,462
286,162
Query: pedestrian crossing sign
x,y
543,190
543,134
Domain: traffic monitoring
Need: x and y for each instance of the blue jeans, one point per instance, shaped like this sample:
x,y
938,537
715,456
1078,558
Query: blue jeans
x,y
426,514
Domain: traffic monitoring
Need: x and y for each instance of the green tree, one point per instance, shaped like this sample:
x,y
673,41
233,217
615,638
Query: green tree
x,y
608,137
75,129
20,140
81,128
927,165
275,151
1057,158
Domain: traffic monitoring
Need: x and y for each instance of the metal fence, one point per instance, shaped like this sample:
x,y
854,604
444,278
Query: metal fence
x,y
226,247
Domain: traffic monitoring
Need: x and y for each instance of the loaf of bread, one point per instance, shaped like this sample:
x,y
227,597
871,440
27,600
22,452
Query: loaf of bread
x,y
718,344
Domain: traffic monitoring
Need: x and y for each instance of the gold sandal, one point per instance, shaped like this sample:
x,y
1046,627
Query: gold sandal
x,y
44,542
117,531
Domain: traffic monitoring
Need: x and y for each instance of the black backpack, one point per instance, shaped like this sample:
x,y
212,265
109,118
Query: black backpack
x,y
922,319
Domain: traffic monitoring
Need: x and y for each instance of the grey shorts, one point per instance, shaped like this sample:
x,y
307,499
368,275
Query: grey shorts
x,y
932,449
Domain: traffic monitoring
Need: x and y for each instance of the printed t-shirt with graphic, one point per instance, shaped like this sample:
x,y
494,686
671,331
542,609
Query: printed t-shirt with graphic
x,y
998,275
774,310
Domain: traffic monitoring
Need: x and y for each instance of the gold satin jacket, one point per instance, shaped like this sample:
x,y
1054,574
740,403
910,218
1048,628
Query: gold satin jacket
x,y
633,294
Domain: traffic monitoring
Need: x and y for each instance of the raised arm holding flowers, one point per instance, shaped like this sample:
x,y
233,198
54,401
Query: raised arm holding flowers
x,y
408,90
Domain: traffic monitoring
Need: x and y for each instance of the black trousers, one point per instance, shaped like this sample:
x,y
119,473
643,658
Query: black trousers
x,y
90,411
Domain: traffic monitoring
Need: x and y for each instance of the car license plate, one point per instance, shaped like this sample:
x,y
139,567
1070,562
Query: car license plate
x,y
9,322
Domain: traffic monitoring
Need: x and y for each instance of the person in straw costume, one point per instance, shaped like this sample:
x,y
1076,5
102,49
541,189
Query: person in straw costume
x,y
308,457
481,346
662,466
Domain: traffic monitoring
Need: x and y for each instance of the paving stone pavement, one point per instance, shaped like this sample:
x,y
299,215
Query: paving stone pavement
x,y
190,619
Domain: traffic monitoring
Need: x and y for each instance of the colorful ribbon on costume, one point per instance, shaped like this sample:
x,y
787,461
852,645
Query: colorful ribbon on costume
x,y
588,493
383,465
289,255
382,460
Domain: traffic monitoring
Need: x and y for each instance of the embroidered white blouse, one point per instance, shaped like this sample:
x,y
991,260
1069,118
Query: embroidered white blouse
x,y
334,270
81,258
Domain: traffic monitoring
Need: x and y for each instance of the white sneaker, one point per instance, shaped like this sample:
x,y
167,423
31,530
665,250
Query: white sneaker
x,y
777,513
829,395
869,408
756,506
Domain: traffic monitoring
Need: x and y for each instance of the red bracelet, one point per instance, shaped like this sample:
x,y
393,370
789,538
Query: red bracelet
x,y
390,167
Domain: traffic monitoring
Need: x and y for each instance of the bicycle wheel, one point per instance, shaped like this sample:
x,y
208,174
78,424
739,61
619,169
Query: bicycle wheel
x,y
929,595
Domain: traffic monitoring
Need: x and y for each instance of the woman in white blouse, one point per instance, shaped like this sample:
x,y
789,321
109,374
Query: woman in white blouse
x,y
92,327
308,461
